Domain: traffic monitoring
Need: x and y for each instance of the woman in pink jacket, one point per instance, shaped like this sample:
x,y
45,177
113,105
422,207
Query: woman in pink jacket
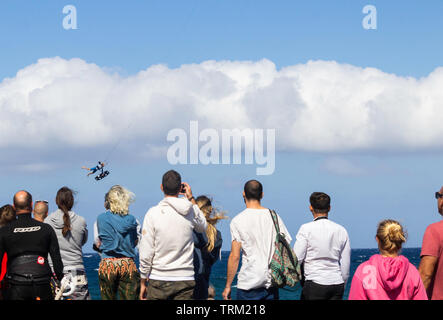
x,y
388,275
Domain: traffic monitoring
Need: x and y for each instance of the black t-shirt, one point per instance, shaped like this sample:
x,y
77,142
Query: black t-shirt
x,y
26,236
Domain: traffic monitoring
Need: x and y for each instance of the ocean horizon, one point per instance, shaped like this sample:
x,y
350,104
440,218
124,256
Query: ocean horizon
x,y
218,275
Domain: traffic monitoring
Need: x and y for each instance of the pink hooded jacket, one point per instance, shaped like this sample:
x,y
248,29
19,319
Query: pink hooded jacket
x,y
386,278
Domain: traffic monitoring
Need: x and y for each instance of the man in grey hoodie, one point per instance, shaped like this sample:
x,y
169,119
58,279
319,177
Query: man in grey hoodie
x,y
167,245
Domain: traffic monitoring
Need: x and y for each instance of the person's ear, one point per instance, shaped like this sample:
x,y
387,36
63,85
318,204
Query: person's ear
x,y
312,209
261,196
161,188
244,195
440,206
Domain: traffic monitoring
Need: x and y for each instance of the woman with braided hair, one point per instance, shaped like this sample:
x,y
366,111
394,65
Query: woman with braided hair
x,y
207,248
72,234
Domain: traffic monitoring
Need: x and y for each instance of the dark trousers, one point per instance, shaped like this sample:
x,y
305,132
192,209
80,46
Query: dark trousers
x,y
29,292
170,290
258,294
314,291
201,287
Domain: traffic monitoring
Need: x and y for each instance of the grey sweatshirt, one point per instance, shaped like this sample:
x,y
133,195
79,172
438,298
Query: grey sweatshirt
x,y
71,245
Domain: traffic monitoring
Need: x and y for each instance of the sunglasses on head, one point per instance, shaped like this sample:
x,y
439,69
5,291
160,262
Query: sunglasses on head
x,y
438,195
41,201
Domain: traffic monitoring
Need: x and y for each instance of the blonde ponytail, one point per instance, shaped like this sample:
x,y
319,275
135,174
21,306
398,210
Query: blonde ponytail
x,y
391,235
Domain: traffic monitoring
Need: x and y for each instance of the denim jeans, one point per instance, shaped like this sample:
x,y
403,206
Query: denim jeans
x,y
258,294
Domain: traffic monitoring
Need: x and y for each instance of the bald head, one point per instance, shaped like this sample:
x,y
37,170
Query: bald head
x,y
23,201
40,210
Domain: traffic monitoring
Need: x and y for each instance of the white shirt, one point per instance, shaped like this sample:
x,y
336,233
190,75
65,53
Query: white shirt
x,y
324,247
255,231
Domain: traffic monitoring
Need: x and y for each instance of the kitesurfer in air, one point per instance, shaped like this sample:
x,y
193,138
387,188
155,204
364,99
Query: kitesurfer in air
x,y
95,169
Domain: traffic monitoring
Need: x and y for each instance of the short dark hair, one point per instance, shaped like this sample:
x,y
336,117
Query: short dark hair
x,y
320,202
253,190
171,183
25,203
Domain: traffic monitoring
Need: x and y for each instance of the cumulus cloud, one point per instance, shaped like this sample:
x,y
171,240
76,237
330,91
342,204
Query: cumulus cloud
x,y
58,105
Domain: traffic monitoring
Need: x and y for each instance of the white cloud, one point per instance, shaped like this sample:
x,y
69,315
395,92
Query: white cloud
x,y
58,104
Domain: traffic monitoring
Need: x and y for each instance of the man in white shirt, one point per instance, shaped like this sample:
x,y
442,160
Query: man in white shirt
x,y
253,237
323,248
167,244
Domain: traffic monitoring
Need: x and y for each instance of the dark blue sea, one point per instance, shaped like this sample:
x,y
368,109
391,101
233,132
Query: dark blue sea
x,y
218,276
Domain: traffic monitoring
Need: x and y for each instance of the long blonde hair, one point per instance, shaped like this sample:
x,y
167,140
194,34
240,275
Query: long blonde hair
x,y
391,235
212,217
118,199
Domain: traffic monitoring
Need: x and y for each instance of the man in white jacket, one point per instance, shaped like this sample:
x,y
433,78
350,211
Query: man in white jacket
x,y
167,246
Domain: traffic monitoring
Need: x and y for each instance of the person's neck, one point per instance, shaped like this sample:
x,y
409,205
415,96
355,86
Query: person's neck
x,y
168,196
388,255
254,205
22,212
319,215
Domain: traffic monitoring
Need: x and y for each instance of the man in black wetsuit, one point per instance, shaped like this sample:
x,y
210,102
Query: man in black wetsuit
x,y
27,243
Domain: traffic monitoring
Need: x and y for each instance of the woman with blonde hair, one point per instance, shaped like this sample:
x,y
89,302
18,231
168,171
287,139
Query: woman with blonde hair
x,y
207,248
388,275
117,233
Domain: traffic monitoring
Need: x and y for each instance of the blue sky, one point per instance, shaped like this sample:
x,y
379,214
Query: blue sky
x,y
127,37
133,35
